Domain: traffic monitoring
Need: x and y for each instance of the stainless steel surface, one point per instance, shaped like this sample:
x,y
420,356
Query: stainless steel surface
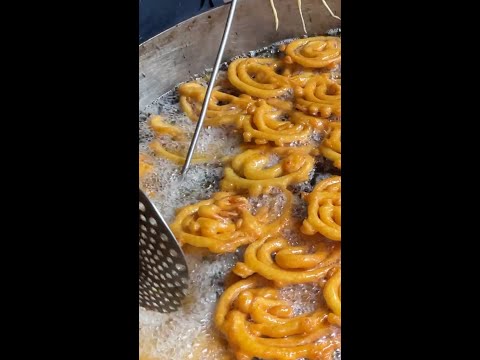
x,y
163,270
180,52
211,84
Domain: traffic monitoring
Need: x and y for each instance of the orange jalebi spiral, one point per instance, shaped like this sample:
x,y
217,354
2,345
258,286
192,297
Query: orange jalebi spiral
x,y
320,96
257,323
264,126
257,77
314,52
324,209
225,222
276,260
223,108
331,293
331,145
251,170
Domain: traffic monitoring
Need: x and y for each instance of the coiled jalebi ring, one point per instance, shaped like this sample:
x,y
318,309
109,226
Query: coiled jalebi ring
x,y
257,323
265,127
276,260
257,77
224,222
314,52
223,108
324,209
320,96
251,170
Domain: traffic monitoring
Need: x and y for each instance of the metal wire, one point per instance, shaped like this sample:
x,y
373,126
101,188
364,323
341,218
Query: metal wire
x,y
216,67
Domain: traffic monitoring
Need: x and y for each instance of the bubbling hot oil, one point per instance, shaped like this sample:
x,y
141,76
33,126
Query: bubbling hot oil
x,y
189,333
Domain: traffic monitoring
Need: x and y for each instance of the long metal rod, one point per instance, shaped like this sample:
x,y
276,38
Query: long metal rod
x,y
210,87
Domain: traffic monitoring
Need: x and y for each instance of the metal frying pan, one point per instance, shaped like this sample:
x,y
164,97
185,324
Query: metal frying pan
x,y
191,47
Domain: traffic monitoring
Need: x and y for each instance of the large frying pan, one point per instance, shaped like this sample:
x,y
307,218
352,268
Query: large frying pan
x,y
191,46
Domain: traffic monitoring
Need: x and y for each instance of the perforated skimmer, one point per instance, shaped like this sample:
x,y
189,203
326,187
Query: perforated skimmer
x,y
163,269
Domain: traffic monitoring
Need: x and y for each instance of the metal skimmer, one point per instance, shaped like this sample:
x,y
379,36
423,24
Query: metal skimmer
x,y
163,269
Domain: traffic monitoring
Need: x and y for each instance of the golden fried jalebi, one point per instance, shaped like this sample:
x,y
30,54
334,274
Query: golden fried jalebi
x,y
265,126
331,145
223,108
224,222
320,96
257,323
257,77
276,260
162,128
331,293
314,52
251,171
159,150
324,209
